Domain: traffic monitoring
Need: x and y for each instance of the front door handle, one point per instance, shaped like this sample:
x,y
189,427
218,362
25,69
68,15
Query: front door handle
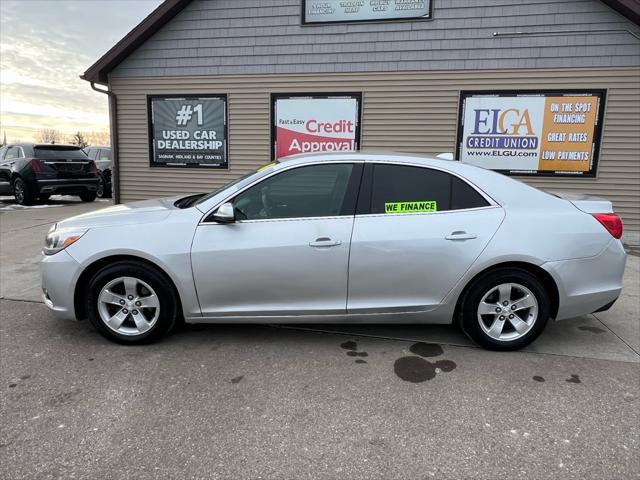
x,y
325,242
460,235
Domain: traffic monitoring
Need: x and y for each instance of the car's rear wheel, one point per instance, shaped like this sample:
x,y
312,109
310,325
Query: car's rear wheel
x,y
505,309
22,192
88,196
131,303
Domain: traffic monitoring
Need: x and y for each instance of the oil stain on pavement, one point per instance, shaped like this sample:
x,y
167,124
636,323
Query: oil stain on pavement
x,y
416,369
352,347
574,379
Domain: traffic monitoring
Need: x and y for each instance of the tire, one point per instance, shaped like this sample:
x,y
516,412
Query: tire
x,y
496,325
101,191
43,197
23,193
148,286
88,196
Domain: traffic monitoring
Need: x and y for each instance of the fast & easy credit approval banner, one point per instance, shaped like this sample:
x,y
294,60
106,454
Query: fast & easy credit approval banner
x,y
315,123
533,132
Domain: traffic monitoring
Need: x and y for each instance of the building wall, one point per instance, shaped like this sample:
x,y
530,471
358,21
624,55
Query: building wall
x,y
230,37
402,111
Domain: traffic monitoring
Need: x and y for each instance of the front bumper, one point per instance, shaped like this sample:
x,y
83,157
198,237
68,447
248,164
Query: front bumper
x,y
59,274
586,285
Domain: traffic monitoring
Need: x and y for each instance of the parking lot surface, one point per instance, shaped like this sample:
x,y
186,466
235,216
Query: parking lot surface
x,y
243,401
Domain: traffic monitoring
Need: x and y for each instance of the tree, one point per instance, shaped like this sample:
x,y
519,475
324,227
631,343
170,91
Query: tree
x,y
100,138
79,140
48,135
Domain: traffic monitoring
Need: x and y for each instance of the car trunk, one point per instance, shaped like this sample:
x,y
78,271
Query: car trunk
x,y
62,162
587,203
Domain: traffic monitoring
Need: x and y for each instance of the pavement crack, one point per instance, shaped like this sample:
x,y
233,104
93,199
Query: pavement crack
x,y
619,337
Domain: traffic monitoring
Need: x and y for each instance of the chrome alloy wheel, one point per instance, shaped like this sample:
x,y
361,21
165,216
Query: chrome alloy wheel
x,y
128,306
508,311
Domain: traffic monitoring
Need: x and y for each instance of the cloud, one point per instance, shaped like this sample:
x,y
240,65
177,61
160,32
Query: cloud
x,y
44,47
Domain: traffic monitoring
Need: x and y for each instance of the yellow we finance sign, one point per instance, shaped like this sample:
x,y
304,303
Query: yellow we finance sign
x,y
409,207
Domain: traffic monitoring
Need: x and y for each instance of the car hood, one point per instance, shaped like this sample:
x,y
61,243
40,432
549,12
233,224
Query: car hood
x,y
145,211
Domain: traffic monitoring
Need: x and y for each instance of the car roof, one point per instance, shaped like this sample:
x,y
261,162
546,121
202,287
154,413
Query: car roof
x,y
40,145
382,156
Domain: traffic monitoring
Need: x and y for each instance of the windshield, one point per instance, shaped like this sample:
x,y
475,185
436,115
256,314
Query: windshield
x,y
238,182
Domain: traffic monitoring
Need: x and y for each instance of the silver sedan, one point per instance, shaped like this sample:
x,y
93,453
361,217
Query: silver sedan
x,y
350,237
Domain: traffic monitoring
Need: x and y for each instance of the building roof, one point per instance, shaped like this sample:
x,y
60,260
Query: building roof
x,y
99,71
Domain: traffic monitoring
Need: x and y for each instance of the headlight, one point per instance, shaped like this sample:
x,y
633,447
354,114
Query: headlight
x,y
57,240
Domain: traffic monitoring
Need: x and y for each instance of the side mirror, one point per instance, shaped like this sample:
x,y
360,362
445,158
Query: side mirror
x,y
225,213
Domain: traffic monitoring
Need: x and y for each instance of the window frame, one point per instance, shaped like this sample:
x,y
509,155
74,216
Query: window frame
x,y
363,206
353,190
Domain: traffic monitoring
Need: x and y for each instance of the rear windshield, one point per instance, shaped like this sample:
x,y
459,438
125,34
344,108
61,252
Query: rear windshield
x,y
59,153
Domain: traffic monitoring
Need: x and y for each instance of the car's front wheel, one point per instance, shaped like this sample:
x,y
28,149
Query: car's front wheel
x,y
505,309
131,303
102,191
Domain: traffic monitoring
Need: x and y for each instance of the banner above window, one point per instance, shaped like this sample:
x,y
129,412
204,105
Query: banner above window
x,y
338,11
544,133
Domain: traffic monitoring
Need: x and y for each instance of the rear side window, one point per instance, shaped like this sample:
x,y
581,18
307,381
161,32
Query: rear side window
x,y
13,153
59,153
405,189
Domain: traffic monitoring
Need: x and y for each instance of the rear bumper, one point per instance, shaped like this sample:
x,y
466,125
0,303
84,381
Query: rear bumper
x,y
586,285
67,185
59,274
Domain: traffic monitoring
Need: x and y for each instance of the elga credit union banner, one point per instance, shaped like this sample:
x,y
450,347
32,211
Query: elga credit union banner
x,y
315,124
531,133
188,131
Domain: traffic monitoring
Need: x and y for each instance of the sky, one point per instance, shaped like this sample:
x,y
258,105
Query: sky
x,y
44,46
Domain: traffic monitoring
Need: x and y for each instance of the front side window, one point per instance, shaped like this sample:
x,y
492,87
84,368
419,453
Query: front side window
x,y
405,189
312,191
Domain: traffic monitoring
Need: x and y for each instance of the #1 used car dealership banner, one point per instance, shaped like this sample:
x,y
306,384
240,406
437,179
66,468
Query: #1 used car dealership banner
x,y
532,133
315,123
188,131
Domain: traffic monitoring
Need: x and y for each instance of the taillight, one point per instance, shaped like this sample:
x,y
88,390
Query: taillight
x,y
92,166
610,221
36,166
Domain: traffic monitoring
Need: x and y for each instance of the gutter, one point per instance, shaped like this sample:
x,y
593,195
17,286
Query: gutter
x,y
113,120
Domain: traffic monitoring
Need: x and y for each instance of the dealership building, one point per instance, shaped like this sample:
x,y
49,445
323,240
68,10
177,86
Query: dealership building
x,y
203,91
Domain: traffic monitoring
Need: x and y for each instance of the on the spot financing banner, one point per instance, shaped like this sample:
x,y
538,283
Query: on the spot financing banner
x,y
531,133
327,123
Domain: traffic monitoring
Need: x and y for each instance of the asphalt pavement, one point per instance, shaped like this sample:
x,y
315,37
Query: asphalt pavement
x,y
310,402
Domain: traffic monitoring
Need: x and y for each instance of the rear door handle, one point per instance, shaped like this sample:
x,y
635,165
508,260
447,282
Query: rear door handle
x,y
459,235
325,242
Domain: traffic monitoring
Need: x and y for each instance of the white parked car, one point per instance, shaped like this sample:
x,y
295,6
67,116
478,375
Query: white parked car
x,y
342,238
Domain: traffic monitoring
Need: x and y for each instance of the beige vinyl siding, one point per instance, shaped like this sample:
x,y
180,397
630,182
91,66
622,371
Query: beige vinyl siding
x,y
403,111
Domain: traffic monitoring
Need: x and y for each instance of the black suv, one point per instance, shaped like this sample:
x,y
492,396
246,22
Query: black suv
x,y
102,157
31,171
